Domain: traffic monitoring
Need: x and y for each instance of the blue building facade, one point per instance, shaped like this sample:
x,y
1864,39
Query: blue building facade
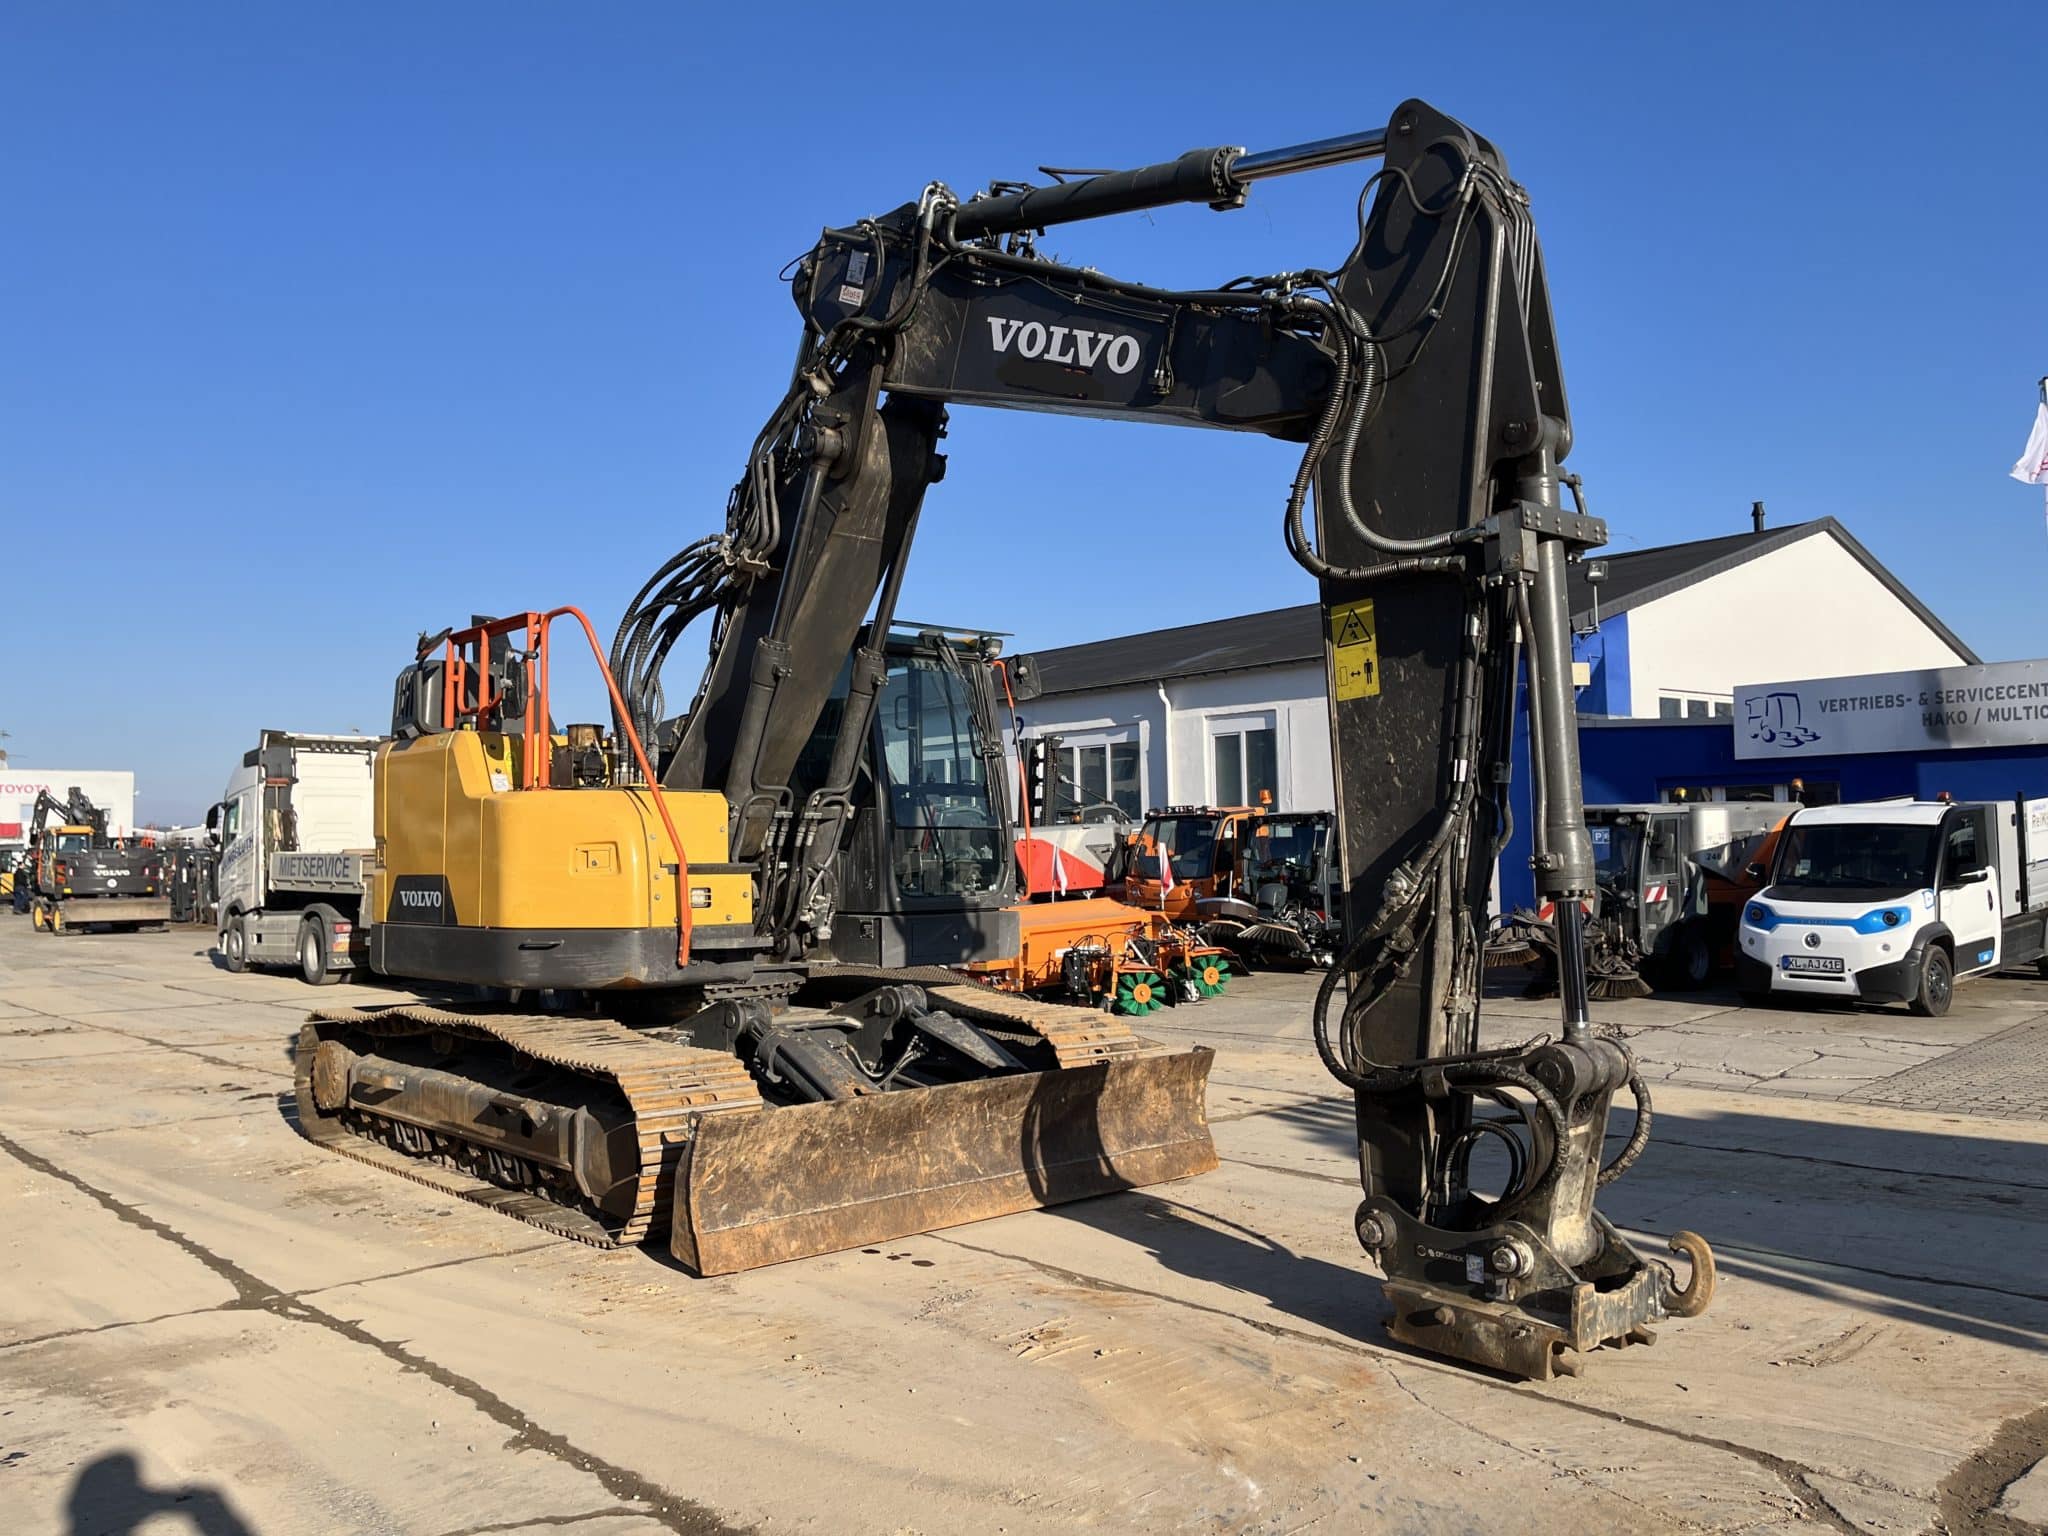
x,y
1632,762
1609,690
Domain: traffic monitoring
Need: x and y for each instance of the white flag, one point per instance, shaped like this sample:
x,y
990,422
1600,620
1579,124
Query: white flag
x,y
1165,869
2033,465
1059,867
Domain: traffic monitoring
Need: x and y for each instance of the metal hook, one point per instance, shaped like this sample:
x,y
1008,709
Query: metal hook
x,y
1698,1291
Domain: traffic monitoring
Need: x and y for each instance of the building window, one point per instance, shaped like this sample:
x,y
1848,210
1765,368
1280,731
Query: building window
x,y
1695,706
1093,776
1750,794
1105,773
1825,792
1244,764
1123,778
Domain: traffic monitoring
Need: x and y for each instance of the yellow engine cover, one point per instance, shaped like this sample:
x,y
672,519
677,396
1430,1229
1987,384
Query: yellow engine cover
x,y
447,807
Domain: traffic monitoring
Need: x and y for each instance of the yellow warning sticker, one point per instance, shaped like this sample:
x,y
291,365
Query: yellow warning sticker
x,y
1355,651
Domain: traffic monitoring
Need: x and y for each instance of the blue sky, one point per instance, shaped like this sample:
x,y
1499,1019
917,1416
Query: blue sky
x,y
325,325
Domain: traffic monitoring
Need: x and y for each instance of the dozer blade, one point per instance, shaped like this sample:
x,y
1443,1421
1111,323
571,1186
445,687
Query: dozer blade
x,y
758,1188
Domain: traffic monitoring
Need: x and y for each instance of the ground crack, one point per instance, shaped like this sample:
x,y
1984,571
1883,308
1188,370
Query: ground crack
x,y
528,1522
683,1516
1966,1502
1576,1474
1792,1474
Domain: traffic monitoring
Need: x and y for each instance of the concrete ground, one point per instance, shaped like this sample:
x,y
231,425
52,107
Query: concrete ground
x,y
211,1326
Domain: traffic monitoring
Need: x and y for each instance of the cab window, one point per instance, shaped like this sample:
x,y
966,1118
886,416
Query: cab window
x,y
1960,853
231,821
1660,861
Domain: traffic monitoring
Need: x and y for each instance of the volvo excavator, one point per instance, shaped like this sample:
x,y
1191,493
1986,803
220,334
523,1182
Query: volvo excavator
x,y
759,900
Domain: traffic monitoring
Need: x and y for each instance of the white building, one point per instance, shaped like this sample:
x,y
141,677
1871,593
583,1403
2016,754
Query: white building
x,y
111,789
1214,713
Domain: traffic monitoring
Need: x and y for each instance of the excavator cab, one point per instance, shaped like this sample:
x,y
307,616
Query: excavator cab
x,y
925,876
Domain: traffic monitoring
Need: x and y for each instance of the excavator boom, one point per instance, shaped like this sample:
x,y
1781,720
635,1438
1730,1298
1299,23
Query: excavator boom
x,y
1421,378
830,787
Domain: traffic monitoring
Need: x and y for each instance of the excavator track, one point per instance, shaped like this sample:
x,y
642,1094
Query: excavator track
x,y
665,1087
735,1182
1079,1037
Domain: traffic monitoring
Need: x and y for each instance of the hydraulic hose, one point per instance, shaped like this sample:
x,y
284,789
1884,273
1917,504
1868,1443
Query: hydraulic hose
x,y
1638,1138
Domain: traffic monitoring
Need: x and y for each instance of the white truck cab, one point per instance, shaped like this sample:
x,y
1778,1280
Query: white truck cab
x,y
295,827
1896,900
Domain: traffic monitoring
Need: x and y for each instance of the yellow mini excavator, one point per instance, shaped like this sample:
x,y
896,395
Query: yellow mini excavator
x,y
763,1058
725,941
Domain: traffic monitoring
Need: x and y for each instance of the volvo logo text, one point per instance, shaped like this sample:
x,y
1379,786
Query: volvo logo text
x,y
1065,343
419,898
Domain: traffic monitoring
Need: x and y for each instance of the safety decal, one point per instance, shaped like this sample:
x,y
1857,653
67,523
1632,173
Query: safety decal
x,y
1355,651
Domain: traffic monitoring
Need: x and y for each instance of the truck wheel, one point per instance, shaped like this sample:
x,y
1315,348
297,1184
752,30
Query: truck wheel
x,y
38,918
1937,984
234,946
56,920
1691,964
313,954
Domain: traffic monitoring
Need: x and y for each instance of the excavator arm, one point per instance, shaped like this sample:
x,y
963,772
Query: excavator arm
x,y
75,810
1420,377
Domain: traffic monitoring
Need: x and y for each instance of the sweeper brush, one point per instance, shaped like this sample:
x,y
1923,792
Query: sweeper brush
x,y
1613,970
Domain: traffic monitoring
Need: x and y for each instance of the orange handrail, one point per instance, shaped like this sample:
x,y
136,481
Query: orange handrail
x,y
535,744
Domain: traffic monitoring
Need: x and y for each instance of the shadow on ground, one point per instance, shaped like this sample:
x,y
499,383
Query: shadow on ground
x,y
109,1498
1929,1228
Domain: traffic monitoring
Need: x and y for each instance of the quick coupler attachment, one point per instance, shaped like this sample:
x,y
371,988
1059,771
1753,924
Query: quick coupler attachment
x,y
1530,1281
1503,1299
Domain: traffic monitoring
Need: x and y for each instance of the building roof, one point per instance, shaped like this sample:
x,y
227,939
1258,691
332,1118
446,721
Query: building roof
x,y
1270,639
1636,577
1283,636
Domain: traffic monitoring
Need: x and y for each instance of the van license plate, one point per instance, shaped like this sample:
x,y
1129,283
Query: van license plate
x,y
1823,965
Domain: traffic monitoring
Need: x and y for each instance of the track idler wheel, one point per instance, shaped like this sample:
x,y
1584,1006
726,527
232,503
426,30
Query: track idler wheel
x,y
331,1063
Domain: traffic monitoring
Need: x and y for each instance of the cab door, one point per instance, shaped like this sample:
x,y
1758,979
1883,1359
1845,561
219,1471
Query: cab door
x,y
239,873
1663,890
1968,900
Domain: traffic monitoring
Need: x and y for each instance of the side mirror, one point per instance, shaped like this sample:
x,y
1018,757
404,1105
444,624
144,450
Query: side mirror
x,y
1025,684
